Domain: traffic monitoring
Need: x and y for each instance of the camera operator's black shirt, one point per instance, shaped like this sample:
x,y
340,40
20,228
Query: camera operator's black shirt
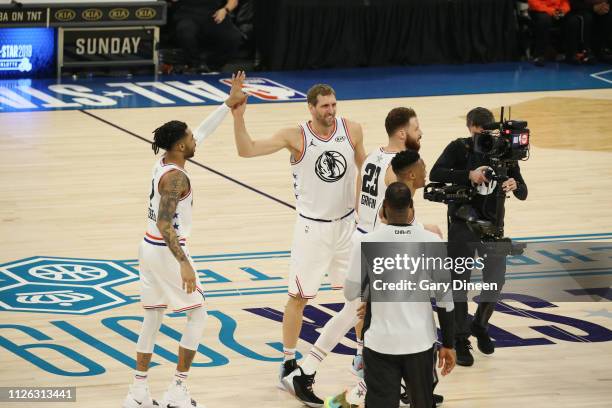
x,y
454,166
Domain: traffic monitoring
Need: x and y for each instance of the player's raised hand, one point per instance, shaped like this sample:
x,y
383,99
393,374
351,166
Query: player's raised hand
x,y
239,109
236,96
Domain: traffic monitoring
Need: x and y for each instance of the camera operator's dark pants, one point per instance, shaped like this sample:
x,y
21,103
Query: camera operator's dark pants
x,y
462,242
384,373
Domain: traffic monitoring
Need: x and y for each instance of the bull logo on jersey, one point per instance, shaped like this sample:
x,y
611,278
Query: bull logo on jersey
x,y
330,166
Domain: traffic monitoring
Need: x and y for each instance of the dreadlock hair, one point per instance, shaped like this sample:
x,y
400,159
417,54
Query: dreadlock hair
x,y
168,134
404,159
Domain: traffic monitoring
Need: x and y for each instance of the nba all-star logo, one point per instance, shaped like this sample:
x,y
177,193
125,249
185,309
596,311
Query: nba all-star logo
x,y
330,166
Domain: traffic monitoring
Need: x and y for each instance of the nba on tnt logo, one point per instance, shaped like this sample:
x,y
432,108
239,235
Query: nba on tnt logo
x,y
268,90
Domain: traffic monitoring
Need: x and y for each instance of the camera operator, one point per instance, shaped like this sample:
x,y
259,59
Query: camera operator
x,y
462,164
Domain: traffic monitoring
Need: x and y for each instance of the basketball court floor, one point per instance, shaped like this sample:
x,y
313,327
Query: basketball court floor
x,y
75,184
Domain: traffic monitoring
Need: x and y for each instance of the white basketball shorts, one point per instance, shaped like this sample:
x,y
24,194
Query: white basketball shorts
x,y
161,285
319,248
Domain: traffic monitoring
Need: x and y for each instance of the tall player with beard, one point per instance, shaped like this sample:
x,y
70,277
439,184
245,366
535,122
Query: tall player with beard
x,y
405,136
325,153
404,132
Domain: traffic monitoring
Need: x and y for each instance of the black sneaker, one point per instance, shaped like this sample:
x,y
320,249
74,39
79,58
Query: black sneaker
x,y
286,368
485,344
464,356
300,385
405,398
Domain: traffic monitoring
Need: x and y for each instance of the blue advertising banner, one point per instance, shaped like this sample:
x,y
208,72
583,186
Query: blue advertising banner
x,y
27,52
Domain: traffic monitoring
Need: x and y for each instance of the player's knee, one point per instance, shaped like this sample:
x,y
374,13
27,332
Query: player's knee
x,y
197,318
297,302
194,330
150,326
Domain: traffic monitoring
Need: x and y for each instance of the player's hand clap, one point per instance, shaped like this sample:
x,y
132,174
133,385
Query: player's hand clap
x,y
188,276
236,96
446,360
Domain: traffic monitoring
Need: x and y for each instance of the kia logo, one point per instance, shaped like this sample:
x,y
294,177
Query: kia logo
x,y
92,14
145,13
119,14
65,15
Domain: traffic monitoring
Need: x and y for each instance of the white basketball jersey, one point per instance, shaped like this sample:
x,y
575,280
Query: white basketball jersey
x,y
373,188
182,216
324,175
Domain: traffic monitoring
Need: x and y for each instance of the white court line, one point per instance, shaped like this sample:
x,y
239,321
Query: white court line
x,y
596,76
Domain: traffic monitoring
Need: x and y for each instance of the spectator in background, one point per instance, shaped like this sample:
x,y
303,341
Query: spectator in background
x,y
545,14
205,32
596,14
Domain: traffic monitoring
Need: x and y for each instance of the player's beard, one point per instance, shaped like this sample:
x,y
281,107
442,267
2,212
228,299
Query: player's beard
x,y
412,144
326,120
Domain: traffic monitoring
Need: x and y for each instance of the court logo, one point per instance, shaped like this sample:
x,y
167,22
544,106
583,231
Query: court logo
x,y
268,90
63,285
65,15
145,13
119,14
330,166
92,14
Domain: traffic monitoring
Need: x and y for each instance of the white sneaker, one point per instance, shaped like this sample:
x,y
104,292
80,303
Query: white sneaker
x,y
178,396
139,397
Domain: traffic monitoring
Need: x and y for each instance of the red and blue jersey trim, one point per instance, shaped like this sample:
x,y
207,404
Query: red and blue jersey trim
x,y
159,241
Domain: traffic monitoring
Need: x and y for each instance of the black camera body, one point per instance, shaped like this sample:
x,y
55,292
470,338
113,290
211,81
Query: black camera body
x,y
448,193
503,143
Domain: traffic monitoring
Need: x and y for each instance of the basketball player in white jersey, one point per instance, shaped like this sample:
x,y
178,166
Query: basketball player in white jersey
x,y
167,275
325,153
404,132
409,168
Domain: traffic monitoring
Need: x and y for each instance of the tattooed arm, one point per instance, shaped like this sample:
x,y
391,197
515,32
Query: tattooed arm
x,y
172,187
